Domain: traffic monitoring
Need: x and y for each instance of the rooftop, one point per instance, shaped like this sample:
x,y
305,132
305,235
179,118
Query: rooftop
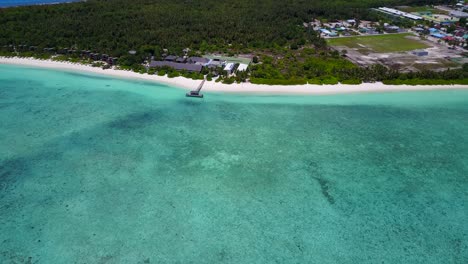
x,y
177,66
199,60
237,59
242,67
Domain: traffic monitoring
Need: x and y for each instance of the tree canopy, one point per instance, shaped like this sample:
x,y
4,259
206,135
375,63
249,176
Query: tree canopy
x,y
116,26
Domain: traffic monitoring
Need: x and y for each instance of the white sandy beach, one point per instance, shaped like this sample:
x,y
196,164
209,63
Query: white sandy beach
x,y
235,88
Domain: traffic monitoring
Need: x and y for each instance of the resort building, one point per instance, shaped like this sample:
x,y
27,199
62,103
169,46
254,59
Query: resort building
x,y
242,67
170,58
214,63
180,60
198,60
229,68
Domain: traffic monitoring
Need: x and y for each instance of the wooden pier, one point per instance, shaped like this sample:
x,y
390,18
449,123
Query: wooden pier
x,y
196,93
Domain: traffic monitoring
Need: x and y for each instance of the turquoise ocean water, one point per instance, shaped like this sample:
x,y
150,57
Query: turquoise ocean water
x,y
98,170
9,3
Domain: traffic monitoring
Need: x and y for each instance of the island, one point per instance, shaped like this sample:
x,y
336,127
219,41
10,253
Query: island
x,y
269,42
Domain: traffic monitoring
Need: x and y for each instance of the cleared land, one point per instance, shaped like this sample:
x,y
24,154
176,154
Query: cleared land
x,y
417,9
380,43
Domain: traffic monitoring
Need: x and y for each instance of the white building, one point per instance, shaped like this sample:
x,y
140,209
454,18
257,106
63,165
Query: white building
x,y
229,67
242,67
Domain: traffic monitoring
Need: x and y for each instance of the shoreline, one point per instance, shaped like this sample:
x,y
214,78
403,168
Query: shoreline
x,y
42,4
211,86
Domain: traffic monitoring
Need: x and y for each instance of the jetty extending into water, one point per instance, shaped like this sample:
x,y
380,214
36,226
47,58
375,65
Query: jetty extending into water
x,y
196,93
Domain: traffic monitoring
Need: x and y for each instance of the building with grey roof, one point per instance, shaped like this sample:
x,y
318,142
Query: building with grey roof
x,y
176,66
170,58
459,14
198,60
180,60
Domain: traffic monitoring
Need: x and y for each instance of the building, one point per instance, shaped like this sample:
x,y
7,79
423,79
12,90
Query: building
x,y
176,66
170,58
392,29
242,67
229,68
198,60
441,19
325,31
438,35
459,14
420,53
214,63
398,13
112,60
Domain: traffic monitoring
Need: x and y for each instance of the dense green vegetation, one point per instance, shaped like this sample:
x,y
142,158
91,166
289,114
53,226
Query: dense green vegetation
x,y
330,69
116,26
287,52
307,65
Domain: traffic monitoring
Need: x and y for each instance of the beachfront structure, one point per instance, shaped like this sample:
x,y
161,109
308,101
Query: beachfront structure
x,y
242,67
198,60
177,66
229,68
214,63
170,58
222,60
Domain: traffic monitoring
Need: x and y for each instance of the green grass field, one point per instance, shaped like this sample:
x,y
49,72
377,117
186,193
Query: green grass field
x,y
411,9
380,43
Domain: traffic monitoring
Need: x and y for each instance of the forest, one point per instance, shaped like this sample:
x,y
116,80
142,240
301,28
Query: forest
x,y
148,26
116,26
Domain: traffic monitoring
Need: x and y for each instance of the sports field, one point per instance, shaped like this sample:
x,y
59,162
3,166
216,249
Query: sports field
x,y
380,43
416,9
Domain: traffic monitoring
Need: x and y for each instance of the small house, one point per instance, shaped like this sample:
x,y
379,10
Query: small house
x,y
242,67
229,67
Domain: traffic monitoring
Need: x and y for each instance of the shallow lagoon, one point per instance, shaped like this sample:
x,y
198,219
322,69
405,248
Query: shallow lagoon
x,y
9,3
95,170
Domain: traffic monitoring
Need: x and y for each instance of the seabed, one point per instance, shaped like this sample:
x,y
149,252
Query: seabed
x,y
99,170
